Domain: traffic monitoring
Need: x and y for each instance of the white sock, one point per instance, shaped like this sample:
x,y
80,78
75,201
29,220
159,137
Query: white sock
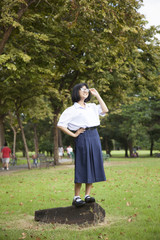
x,y
79,199
86,196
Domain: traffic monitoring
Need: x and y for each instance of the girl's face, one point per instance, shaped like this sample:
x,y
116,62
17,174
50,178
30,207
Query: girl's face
x,y
83,92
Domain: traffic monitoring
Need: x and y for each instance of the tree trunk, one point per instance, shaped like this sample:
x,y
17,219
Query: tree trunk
x,y
23,152
2,138
151,149
24,140
130,146
10,29
107,146
60,144
15,129
55,136
126,151
14,141
36,145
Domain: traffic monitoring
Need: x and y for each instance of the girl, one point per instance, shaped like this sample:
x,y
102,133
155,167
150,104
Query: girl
x,y
80,121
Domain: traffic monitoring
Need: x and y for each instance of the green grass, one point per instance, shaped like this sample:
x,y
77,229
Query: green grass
x,y
142,153
130,197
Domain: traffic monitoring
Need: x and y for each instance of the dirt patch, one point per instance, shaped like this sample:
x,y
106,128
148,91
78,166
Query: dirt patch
x,y
27,222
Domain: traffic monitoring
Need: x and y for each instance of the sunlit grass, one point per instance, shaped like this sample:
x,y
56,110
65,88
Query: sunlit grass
x,y
141,153
130,197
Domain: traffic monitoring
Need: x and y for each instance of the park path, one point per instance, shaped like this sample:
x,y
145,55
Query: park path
x,y
25,166
64,163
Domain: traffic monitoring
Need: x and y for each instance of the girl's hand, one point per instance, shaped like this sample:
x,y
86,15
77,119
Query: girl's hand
x,y
79,131
94,92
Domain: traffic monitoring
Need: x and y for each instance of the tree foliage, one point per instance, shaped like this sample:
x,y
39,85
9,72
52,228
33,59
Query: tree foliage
x,y
46,47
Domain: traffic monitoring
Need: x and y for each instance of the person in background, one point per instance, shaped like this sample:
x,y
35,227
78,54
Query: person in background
x,y
69,151
80,121
6,154
35,159
60,152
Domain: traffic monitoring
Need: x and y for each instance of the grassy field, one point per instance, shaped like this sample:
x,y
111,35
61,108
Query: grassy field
x,y
141,153
130,197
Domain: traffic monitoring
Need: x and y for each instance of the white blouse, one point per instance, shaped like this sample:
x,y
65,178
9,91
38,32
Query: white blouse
x,y
76,116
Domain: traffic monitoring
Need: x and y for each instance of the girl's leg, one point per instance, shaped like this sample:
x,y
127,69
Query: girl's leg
x,y
88,188
77,188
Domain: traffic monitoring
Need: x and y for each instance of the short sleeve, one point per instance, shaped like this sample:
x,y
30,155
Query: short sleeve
x,y
65,118
100,112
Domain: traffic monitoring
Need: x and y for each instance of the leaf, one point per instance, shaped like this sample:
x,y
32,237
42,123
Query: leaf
x,y
100,236
25,57
102,200
7,212
11,66
121,233
4,58
23,236
135,215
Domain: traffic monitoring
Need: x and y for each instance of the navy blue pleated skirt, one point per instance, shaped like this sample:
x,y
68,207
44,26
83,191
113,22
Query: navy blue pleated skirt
x,y
88,158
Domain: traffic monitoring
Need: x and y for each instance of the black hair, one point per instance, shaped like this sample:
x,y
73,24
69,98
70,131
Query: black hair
x,y
5,144
75,92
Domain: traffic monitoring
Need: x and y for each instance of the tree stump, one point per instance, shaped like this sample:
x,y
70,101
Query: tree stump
x,y
90,213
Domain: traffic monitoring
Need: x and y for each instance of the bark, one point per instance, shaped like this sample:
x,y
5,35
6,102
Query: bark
x,y
151,149
23,152
107,146
8,31
126,151
14,134
60,144
36,145
2,138
24,140
55,136
14,141
130,146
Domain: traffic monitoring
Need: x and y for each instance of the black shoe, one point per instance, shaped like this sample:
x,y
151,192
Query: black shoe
x,y
89,199
78,203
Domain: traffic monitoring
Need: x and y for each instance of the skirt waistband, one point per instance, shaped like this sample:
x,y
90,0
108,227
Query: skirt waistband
x,y
87,128
90,128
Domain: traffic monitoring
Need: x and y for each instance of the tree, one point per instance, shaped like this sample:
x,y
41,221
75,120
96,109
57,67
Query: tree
x,y
14,125
96,46
151,119
125,125
57,44
11,14
40,111
12,54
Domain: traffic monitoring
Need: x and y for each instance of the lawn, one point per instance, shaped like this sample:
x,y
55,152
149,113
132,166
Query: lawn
x,y
130,197
141,153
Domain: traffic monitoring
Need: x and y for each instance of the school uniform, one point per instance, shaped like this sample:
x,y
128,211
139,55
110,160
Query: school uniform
x,y
88,152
